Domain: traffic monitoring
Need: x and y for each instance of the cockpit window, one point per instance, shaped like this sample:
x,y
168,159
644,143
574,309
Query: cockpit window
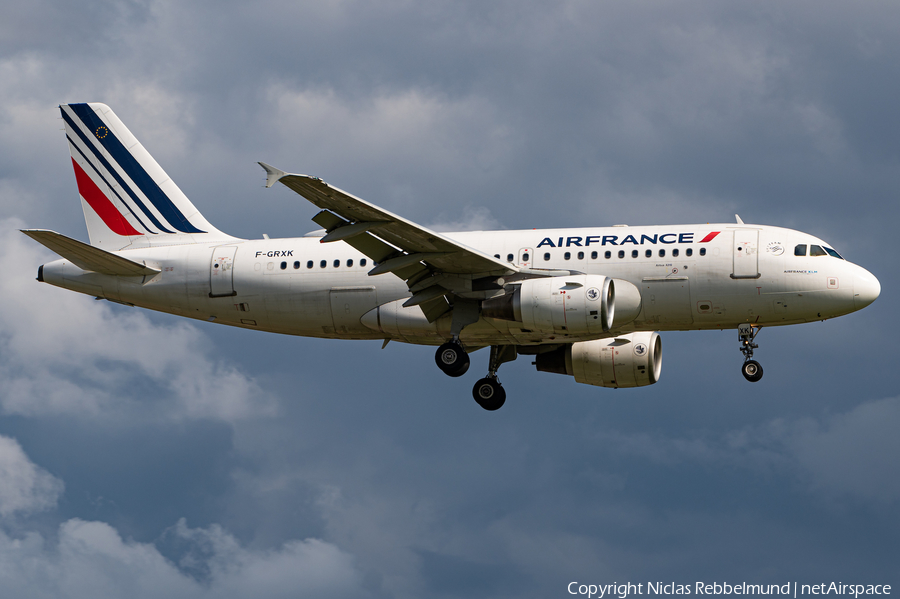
x,y
816,250
834,254
800,249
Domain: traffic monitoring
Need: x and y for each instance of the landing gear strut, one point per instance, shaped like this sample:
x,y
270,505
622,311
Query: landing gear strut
x,y
752,370
452,359
488,392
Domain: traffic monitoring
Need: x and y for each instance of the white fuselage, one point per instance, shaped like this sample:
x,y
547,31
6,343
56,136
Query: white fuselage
x,y
714,276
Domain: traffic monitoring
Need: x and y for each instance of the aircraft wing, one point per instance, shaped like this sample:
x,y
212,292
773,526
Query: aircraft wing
x,y
360,218
433,266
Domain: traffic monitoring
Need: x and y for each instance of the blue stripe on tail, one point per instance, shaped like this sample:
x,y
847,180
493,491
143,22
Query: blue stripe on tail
x,y
98,156
134,170
111,188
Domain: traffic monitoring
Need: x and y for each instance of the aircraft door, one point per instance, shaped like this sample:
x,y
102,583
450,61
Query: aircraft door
x,y
526,257
221,271
746,254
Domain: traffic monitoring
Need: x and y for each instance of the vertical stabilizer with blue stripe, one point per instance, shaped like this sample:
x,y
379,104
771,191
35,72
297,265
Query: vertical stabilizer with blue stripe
x,y
128,199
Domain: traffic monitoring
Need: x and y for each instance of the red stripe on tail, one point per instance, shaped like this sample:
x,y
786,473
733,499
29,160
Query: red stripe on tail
x,y
101,204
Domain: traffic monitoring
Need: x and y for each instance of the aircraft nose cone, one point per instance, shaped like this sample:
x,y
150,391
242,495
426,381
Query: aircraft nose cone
x,y
866,289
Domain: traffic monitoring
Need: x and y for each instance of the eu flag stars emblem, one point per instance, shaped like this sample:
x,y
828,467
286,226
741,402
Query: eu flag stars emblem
x,y
640,349
593,293
101,132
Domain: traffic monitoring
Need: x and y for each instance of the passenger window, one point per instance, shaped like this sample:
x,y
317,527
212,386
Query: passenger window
x,y
567,256
581,255
593,255
337,263
816,250
634,253
648,253
702,251
675,253
323,264
621,253
689,252
607,255
509,257
349,262
526,257
497,256
284,266
309,264
296,264
546,256
662,253
800,249
362,262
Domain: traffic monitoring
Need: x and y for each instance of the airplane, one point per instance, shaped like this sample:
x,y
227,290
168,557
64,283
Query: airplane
x,y
585,302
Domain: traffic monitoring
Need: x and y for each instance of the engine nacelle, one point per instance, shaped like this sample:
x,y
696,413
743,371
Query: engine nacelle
x,y
633,360
575,304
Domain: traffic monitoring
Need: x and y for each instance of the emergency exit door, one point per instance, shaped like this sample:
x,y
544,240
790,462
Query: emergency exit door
x,y
526,256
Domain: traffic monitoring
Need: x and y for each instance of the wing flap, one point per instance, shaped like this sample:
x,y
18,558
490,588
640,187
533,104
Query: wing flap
x,y
88,257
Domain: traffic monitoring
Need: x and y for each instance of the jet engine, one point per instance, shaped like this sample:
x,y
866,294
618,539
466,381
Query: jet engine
x,y
573,304
633,360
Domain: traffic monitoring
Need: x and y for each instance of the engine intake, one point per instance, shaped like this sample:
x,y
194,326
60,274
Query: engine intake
x,y
633,360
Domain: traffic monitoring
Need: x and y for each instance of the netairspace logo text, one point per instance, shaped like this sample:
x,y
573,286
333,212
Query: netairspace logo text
x,y
791,589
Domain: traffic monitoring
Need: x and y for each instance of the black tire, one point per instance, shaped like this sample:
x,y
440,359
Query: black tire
x,y
452,359
489,394
752,370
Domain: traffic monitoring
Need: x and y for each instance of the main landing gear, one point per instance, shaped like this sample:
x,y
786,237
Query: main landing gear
x,y
453,360
752,370
488,392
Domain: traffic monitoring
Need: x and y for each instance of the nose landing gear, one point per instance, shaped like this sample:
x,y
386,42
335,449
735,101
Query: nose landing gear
x,y
752,370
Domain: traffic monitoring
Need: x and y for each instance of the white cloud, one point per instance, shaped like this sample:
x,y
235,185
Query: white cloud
x,y
90,559
24,486
474,218
65,353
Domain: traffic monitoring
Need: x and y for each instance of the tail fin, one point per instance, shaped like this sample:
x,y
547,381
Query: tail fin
x,y
126,196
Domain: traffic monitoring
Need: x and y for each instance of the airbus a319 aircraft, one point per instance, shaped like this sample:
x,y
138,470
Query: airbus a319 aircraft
x,y
585,302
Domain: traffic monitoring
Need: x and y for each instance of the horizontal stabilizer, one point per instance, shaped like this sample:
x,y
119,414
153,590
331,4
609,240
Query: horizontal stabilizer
x,y
88,257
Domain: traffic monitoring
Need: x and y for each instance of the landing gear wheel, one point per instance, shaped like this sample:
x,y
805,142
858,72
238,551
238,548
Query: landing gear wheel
x,y
489,394
752,370
452,359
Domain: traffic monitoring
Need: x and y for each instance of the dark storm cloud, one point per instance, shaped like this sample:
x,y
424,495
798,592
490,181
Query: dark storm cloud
x,y
336,468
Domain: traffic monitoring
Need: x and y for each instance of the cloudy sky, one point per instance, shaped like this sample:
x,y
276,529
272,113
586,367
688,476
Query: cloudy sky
x,y
146,456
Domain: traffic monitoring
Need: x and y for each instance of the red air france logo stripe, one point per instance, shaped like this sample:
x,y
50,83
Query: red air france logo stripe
x,y
709,237
97,200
